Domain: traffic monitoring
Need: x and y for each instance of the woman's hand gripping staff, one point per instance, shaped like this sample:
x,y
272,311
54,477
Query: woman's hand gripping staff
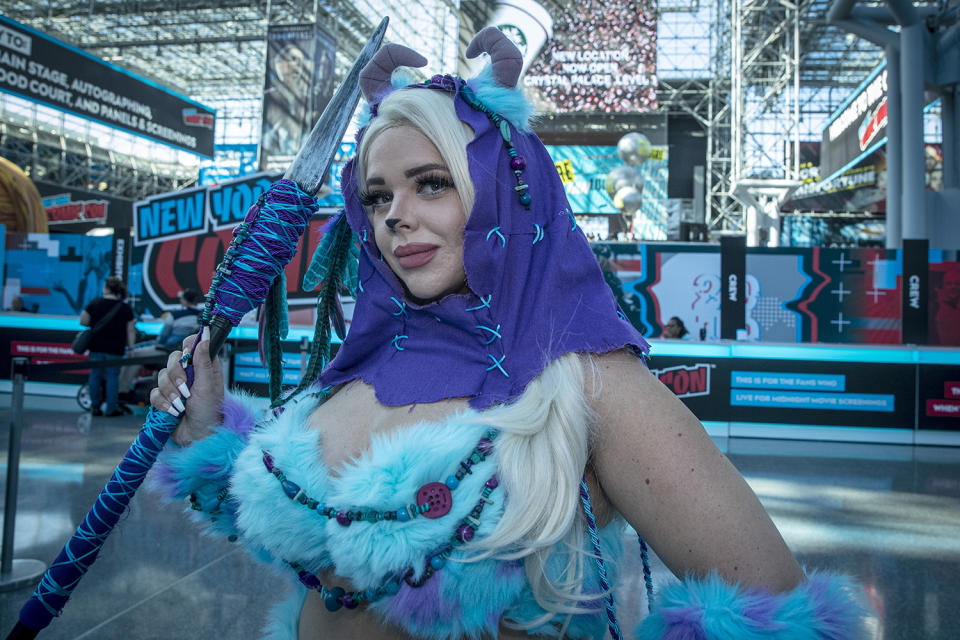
x,y
197,406
262,246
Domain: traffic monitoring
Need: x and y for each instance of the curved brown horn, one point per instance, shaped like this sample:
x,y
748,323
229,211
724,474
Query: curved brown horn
x,y
507,61
375,77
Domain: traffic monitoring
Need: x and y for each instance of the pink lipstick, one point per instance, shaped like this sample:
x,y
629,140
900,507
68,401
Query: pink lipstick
x,y
415,254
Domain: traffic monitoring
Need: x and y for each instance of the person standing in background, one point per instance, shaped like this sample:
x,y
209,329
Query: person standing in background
x,y
109,343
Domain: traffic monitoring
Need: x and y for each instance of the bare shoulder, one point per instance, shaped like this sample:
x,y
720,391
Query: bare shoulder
x,y
623,392
658,467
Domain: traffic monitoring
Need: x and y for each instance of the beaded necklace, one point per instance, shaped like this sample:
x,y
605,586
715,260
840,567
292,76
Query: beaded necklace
x,y
433,500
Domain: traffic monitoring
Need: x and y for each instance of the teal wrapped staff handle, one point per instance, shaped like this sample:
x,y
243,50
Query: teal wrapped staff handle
x,y
226,303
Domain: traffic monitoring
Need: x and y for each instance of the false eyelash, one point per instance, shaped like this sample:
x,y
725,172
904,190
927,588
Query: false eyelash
x,y
439,179
369,198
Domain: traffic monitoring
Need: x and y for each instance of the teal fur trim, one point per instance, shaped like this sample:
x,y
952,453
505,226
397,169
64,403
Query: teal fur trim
x,y
283,529
404,77
387,476
362,119
824,607
512,104
284,617
203,469
582,625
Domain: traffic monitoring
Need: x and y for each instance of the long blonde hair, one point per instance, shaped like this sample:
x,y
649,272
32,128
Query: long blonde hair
x,y
543,446
542,453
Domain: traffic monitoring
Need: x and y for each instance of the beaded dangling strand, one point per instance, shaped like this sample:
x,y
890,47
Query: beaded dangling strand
x,y
517,162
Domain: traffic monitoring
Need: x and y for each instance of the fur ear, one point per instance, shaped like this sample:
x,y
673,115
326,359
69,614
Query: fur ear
x,y
510,103
402,77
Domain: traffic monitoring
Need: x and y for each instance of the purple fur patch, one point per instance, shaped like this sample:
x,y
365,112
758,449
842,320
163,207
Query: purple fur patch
x,y
493,622
761,610
236,417
684,623
832,613
164,478
509,570
210,470
421,607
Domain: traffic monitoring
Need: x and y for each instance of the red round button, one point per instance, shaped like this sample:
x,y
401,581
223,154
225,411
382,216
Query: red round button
x,y
437,495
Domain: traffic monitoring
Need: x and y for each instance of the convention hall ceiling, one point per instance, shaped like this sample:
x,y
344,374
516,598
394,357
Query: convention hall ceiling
x,y
215,48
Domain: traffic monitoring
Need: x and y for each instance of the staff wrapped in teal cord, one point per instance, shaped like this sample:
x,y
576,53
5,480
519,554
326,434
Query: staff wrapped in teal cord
x,y
263,244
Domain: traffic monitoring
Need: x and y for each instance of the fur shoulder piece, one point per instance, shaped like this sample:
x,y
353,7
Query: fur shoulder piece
x,y
825,607
511,103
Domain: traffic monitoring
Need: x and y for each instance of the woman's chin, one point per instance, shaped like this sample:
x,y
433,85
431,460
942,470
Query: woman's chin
x,y
431,297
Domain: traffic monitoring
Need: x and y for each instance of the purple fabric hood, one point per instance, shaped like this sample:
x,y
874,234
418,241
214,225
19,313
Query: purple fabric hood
x,y
536,290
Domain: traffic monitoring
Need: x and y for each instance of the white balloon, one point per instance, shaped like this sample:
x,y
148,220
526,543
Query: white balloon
x,y
623,176
634,149
628,200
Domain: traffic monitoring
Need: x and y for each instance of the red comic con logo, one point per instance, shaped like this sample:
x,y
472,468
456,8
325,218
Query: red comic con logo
x,y
194,118
95,210
686,382
78,211
874,122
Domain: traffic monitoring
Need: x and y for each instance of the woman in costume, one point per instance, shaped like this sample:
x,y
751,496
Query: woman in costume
x,y
463,467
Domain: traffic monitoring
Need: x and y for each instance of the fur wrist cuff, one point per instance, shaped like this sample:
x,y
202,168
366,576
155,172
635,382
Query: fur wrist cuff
x,y
201,471
825,607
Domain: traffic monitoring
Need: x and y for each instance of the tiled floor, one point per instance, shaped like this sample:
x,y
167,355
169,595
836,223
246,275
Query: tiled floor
x,y
888,515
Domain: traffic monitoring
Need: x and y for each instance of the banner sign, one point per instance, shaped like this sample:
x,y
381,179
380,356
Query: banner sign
x,y
121,252
180,237
583,170
299,83
229,202
733,271
859,188
42,346
170,215
62,210
796,392
915,291
790,294
943,310
858,128
54,73
939,405
590,56
70,210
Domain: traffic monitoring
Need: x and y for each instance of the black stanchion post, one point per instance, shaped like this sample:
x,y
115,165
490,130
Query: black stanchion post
x,y
15,574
